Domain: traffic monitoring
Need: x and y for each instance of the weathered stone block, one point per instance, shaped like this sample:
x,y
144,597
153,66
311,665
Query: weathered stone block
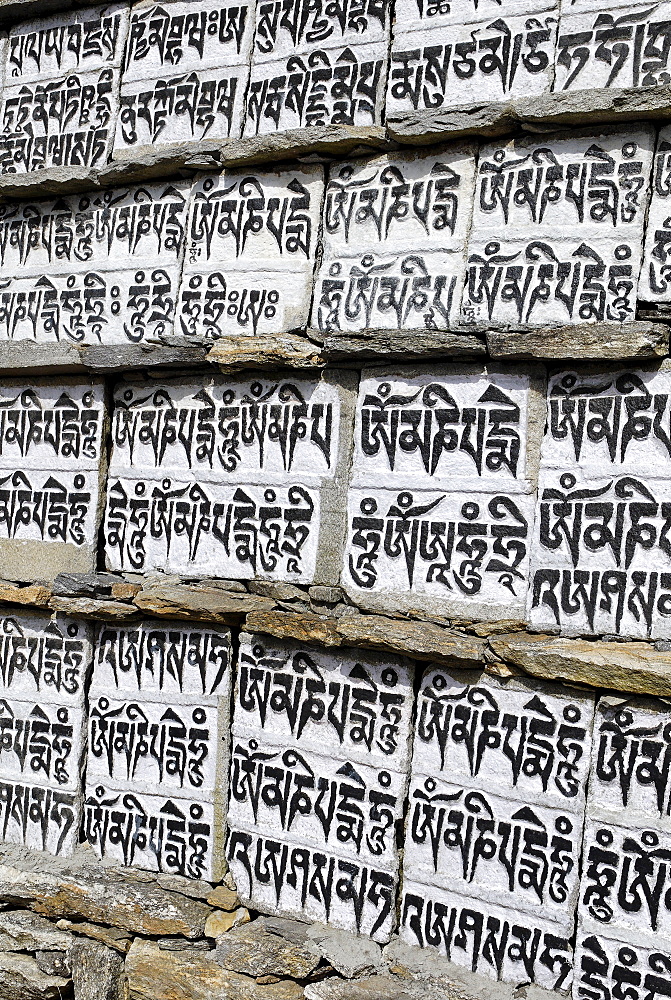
x,y
655,285
395,231
532,229
442,65
328,750
251,244
158,748
604,964
425,483
597,568
185,73
261,457
60,100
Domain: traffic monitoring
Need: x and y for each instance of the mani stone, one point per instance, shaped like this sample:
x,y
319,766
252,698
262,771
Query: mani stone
x,y
52,464
655,285
416,238
282,491
450,492
610,576
199,70
174,684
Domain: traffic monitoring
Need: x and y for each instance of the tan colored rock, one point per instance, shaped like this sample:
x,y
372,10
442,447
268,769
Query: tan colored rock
x,y
624,666
277,947
124,591
89,607
110,936
35,595
234,353
224,898
587,341
21,930
222,921
421,640
96,970
301,627
185,603
22,979
103,896
152,974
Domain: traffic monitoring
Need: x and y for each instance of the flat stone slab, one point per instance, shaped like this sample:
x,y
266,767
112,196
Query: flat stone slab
x,y
584,342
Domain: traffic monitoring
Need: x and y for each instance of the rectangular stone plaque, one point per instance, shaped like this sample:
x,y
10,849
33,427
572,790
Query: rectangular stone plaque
x,y
318,783
436,65
557,231
655,285
60,98
159,719
622,46
608,967
250,252
491,940
413,14
236,479
185,72
395,231
495,819
44,666
96,268
51,467
600,561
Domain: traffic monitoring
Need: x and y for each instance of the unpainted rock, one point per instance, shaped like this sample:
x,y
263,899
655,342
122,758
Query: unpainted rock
x,y
96,970
21,979
262,948
351,955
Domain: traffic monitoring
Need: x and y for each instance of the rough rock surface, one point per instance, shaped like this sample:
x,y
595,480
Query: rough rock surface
x,y
624,666
89,608
391,345
35,595
152,974
263,949
600,341
21,930
233,353
421,640
351,955
104,896
21,979
111,936
96,971
199,603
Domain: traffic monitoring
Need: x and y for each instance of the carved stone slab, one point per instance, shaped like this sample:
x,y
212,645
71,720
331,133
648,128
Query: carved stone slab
x,y
317,63
159,719
60,99
51,464
185,72
238,479
250,253
44,666
558,230
414,14
440,65
492,940
437,512
616,47
606,965
318,780
495,818
91,269
395,231
655,285
600,559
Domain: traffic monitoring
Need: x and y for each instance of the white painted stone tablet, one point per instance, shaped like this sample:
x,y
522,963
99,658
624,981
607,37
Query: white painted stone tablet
x,y
51,466
60,99
619,46
495,821
550,281
100,268
158,757
44,666
395,231
524,740
413,14
320,752
250,252
491,940
185,73
238,479
605,964
284,27
596,185
655,283
436,65
341,85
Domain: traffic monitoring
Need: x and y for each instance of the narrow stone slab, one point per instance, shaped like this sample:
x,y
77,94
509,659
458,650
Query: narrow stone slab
x,y
586,341
20,976
425,126
623,666
236,353
391,345
200,603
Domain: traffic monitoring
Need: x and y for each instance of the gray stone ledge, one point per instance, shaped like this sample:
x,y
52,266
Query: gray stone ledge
x,y
284,350
424,127
26,355
398,344
584,342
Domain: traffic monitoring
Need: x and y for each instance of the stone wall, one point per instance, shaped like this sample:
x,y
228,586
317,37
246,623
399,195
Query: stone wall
x,y
335,500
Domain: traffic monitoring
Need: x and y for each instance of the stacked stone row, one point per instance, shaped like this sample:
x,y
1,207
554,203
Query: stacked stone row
x,y
109,81
562,231
303,781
